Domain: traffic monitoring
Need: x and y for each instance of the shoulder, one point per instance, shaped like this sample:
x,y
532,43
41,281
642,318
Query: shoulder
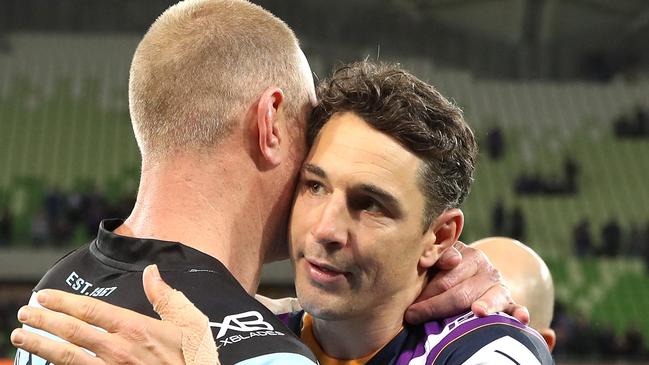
x,y
243,328
60,271
215,292
467,339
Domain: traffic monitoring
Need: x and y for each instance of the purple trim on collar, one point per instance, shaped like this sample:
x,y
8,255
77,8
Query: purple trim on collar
x,y
455,328
284,317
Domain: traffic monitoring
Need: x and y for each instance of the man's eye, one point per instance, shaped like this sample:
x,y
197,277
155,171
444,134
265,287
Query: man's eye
x,y
314,187
368,205
374,207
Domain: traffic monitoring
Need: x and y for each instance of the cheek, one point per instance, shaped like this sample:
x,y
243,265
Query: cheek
x,y
374,259
299,224
392,262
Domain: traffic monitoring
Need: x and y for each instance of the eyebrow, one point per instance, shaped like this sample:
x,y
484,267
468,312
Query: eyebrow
x,y
385,197
315,170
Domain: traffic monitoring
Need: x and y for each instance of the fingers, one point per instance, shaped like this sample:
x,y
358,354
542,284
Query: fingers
x,y
445,280
450,258
170,304
63,326
90,310
454,291
498,299
53,351
155,288
453,301
519,312
197,343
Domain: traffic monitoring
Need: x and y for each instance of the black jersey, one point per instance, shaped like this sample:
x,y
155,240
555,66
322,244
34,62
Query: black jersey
x,y
110,268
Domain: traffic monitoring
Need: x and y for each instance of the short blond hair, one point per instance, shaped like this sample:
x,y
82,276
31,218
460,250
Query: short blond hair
x,y
200,65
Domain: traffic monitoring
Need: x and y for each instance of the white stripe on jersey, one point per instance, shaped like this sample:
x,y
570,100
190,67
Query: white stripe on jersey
x,y
433,339
278,358
23,357
504,350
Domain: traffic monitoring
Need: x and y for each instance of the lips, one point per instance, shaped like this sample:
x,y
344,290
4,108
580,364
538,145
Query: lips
x,y
324,266
324,273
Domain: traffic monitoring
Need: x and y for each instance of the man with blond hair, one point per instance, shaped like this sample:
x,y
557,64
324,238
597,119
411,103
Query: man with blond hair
x,y
219,97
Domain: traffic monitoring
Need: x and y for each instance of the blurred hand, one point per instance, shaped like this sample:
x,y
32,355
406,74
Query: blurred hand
x,y
465,279
182,337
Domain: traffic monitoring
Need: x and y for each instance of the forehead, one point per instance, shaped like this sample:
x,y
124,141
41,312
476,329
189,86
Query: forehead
x,y
348,148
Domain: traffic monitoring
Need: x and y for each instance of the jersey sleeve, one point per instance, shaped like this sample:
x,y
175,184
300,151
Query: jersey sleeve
x,y
500,344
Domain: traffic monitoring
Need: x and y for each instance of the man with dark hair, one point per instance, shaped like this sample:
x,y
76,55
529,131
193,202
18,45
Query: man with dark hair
x,y
376,206
413,113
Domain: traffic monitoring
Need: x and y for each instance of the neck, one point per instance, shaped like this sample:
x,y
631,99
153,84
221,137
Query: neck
x,y
206,206
373,329
363,336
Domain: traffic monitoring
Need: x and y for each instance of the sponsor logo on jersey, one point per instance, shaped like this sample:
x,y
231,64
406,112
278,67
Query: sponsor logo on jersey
x,y
249,324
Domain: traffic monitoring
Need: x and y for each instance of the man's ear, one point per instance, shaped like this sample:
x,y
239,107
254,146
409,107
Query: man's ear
x,y
268,125
549,336
442,233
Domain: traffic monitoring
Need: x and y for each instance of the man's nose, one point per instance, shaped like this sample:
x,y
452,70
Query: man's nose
x,y
332,225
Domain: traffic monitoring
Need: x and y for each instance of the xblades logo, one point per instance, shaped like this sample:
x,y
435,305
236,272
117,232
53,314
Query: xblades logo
x,y
242,322
251,323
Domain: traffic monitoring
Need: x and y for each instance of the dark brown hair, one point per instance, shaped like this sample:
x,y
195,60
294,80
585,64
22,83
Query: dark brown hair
x,y
416,115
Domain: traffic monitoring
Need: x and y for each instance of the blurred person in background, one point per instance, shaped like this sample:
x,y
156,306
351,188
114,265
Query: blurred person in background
x,y
528,278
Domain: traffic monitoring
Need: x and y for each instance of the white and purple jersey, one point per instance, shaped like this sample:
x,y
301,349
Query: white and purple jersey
x,y
460,340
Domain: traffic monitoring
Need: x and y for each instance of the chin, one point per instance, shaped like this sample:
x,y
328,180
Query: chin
x,y
323,312
324,306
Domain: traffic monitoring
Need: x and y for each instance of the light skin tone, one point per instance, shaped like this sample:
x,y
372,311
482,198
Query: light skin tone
x,y
528,277
243,228
360,250
184,194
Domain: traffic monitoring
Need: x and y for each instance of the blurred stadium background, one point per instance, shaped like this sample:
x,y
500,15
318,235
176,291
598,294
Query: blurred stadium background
x,y
556,90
